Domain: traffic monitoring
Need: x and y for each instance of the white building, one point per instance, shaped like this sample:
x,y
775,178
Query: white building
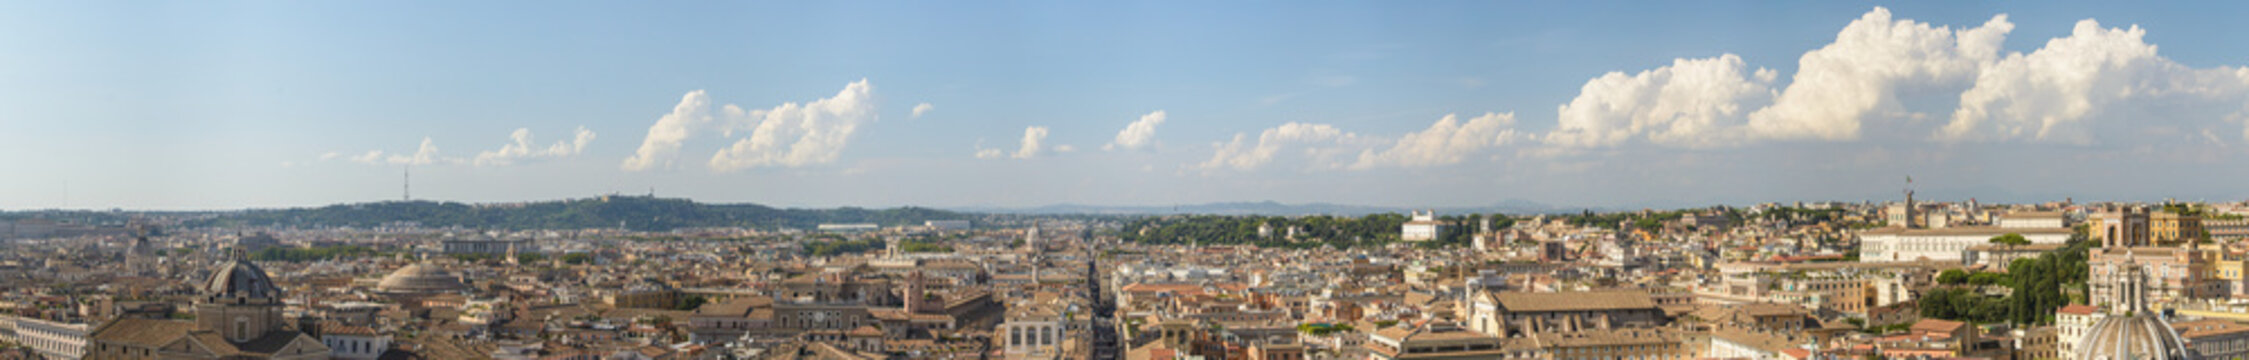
x,y
53,340
848,228
2070,324
1891,244
2033,220
1423,227
946,224
354,342
1033,332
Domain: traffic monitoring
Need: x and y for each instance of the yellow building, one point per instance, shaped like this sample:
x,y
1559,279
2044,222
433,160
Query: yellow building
x,y
2167,227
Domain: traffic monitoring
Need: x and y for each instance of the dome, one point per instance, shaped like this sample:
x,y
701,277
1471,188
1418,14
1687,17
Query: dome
x,y
2135,337
241,279
420,279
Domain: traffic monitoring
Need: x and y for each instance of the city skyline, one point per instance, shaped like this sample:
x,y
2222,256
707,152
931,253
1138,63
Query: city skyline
x,y
1143,104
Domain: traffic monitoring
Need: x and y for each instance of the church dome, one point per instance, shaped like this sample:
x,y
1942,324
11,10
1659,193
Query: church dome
x,y
2133,337
420,279
241,279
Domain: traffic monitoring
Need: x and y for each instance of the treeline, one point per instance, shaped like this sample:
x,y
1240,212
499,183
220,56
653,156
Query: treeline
x,y
2040,285
1311,231
923,246
630,212
842,246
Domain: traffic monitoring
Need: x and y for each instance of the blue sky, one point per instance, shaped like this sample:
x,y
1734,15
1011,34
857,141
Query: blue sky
x,y
255,104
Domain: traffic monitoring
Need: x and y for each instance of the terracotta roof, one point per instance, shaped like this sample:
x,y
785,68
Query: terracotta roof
x,y
1935,325
142,332
2078,309
1574,301
2210,327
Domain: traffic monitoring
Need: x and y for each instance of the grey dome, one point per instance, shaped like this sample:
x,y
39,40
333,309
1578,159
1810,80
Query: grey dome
x,y
2134,337
420,279
241,279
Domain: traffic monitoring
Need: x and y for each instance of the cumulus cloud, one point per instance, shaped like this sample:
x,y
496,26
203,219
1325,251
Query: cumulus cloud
x,y
2090,83
1446,142
1690,103
922,108
1139,134
664,138
788,135
330,155
1888,76
522,148
1838,87
423,155
984,153
1322,144
370,157
1033,139
793,135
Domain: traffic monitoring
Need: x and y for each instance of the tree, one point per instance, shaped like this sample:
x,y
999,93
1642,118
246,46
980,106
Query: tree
x,y
1952,277
2010,240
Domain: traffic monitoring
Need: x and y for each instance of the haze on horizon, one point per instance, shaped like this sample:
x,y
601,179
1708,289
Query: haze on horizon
x,y
1022,104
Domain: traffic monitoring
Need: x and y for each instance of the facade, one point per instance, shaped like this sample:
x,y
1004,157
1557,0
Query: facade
x,y
1033,332
2167,227
946,225
2215,339
2070,324
2034,220
354,342
1422,227
1507,314
489,246
54,340
1892,244
1445,341
848,228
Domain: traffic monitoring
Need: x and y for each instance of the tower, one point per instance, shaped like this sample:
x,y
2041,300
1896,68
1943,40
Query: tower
x,y
915,293
1910,210
406,185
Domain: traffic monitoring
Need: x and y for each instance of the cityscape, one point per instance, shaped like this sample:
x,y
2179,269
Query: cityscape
x,y
1715,180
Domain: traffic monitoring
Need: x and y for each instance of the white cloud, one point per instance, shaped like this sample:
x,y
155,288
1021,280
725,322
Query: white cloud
x,y
1033,138
1690,103
793,135
664,138
1139,134
922,108
2090,84
1446,142
330,155
1874,60
988,153
522,148
1064,148
371,157
788,135
1322,144
423,155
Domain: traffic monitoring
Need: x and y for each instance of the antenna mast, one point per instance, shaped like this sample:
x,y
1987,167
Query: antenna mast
x,y
406,185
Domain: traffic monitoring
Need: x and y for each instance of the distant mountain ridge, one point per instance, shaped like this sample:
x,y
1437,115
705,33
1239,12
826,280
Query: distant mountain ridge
x,y
1272,208
629,212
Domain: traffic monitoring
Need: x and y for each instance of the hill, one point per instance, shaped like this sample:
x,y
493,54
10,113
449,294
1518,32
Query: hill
x,y
630,212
